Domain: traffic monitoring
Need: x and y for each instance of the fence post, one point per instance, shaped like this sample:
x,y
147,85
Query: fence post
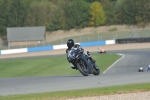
x,y
101,38
8,45
98,36
61,41
80,37
26,42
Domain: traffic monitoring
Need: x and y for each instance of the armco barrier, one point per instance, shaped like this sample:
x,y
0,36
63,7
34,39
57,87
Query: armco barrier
x,y
55,47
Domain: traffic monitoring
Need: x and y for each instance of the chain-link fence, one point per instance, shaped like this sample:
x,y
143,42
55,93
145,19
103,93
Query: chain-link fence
x,y
97,36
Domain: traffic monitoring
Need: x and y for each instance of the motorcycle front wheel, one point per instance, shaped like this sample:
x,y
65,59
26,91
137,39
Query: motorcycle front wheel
x,y
96,70
82,67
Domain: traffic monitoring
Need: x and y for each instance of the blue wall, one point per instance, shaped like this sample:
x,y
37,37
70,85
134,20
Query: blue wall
x,y
95,43
34,49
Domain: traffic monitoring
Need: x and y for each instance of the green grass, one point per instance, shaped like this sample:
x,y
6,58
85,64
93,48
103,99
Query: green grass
x,y
49,66
81,93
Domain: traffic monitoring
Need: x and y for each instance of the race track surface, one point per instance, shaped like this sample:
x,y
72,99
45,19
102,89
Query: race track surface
x,y
131,61
125,71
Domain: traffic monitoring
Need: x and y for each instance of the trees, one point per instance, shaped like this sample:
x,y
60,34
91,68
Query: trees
x,y
142,16
68,14
77,14
17,14
58,19
39,13
3,16
97,14
109,9
126,12
13,14
91,1
133,12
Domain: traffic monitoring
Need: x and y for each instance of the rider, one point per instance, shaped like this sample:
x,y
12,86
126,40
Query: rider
x,y
101,50
70,44
148,68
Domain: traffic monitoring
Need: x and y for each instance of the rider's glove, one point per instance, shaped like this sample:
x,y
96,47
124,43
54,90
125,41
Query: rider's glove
x,y
81,50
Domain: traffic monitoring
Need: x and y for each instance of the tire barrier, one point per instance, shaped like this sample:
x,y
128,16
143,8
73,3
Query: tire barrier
x,y
132,40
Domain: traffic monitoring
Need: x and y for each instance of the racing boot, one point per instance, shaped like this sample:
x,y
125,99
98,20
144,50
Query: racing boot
x,y
72,66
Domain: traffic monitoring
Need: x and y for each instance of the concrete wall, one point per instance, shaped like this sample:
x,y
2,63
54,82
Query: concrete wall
x,y
55,47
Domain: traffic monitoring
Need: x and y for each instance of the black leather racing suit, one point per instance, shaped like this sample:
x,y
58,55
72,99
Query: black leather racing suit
x,y
76,46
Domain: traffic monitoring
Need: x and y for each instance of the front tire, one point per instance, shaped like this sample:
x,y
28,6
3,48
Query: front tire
x,y
82,67
96,70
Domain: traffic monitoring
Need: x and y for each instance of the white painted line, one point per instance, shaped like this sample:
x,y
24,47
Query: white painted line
x,y
114,63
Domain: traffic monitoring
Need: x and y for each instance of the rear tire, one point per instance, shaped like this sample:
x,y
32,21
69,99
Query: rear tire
x,y
82,67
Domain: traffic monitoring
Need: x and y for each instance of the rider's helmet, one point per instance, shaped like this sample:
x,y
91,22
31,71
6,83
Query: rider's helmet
x,y
70,43
148,67
141,69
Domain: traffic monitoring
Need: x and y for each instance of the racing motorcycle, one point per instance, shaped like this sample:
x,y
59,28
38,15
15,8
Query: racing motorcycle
x,y
82,62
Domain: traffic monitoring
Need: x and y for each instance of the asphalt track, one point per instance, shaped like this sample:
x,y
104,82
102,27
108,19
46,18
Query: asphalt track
x,y
124,71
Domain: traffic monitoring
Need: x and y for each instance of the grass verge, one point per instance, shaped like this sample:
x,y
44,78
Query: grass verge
x,y
81,93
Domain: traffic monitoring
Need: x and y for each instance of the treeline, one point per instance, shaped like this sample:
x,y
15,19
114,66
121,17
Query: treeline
x,y
68,14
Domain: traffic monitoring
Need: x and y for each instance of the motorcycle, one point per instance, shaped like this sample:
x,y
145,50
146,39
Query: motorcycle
x,y
101,50
82,62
